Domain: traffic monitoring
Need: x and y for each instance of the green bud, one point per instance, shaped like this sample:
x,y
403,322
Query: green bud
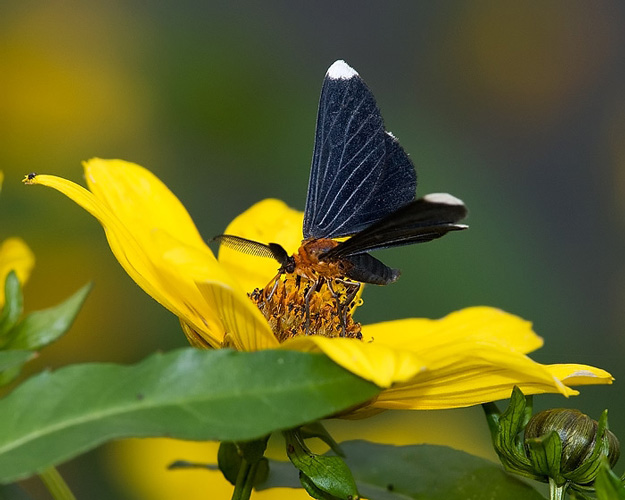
x,y
578,434
563,447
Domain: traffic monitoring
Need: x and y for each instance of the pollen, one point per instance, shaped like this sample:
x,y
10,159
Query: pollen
x,y
292,308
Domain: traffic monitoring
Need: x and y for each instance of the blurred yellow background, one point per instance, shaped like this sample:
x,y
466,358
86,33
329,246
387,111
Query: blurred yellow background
x,y
517,108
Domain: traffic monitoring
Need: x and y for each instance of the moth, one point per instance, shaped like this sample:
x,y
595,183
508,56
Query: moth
x,y
362,186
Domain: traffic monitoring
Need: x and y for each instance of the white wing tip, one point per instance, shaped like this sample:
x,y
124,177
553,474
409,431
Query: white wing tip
x,y
444,198
340,70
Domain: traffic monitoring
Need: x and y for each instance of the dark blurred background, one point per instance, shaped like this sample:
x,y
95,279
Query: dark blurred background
x,y
518,108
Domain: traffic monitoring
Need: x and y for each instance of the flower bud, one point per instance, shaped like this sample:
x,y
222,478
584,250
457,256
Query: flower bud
x,y
578,434
562,447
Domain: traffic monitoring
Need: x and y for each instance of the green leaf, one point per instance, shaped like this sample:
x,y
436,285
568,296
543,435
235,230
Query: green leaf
x,y
13,306
13,492
185,394
11,363
185,464
40,328
11,359
386,472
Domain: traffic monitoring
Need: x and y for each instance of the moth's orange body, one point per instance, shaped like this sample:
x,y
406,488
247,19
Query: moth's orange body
x,y
309,266
322,306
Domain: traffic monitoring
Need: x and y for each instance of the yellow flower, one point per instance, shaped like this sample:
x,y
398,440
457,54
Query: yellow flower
x,y
471,356
14,256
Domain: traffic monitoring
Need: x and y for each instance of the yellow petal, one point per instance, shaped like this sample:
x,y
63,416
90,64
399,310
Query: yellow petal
x,y
376,363
153,238
485,373
268,221
14,256
141,201
457,388
136,256
238,318
204,273
472,356
245,326
572,374
131,255
473,325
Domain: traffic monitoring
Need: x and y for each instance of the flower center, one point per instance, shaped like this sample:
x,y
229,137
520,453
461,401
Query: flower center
x,y
293,306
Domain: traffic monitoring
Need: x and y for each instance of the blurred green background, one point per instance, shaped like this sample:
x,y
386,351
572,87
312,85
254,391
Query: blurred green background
x,y
518,108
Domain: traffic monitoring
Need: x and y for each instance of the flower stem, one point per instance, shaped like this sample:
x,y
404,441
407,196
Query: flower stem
x,y
557,492
56,484
245,481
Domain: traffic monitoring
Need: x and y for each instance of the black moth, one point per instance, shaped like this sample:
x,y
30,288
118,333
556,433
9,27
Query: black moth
x,y
362,184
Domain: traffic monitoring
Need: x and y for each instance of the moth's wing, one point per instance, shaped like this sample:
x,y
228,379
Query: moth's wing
x,y
423,220
359,172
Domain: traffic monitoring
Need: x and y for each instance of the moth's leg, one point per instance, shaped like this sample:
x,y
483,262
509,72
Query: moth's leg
x,y
313,288
273,288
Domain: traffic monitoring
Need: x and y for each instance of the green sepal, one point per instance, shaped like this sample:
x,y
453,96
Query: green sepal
x,y
330,474
41,328
13,307
317,430
492,413
506,431
515,418
253,451
586,472
231,457
229,461
545,454
575,494
262,472
608,485
313,490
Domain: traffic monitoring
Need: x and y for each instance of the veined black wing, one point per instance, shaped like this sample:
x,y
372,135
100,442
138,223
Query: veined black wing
x,y
359,172
423,220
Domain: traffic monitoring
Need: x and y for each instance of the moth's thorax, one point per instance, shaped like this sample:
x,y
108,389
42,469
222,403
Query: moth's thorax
x,y
309,265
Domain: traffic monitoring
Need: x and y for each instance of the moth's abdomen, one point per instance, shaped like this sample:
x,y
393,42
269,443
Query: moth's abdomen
x,y
367,269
